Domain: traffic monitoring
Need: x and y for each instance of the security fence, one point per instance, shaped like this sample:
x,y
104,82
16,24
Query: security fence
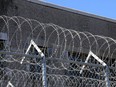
x,y
34,54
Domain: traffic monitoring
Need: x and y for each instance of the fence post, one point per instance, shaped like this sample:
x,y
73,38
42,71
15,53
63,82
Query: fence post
x,y
44,80
107,76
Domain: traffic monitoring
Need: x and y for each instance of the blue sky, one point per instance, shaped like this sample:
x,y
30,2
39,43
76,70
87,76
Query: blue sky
x,y
105,8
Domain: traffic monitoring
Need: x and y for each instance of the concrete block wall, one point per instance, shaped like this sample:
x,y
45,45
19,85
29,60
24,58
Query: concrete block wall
x,y
63,17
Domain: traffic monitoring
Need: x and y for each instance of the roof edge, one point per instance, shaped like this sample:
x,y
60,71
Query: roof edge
x,y
72,10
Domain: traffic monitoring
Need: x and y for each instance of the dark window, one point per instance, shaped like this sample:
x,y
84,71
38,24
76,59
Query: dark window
x,y
2,64
2,46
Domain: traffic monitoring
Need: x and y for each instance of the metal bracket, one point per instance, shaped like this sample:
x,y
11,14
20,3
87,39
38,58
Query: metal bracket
x,y
10,84
96,57
43,61
101,62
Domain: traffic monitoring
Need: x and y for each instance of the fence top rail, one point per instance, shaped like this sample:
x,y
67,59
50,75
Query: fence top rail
x,y
58,59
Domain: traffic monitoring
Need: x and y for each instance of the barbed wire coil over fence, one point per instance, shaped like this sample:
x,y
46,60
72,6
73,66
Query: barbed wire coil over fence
x,y
35,54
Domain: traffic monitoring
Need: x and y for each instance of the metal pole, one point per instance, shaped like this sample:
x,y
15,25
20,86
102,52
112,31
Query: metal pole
x,y
44,72
107,76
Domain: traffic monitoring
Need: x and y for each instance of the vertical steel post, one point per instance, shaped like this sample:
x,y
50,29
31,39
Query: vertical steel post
x,y
44,72
44,80
107,76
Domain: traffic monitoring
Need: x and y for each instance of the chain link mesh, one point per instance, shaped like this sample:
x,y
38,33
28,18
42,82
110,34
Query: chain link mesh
x,y
65,51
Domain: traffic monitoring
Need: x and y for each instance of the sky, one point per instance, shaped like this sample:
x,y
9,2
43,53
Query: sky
x,y
105,8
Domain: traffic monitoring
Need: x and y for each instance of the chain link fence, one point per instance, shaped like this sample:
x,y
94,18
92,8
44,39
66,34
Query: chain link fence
x,y
35,54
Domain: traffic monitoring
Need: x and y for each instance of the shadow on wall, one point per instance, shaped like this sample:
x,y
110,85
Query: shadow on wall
x,y
4,4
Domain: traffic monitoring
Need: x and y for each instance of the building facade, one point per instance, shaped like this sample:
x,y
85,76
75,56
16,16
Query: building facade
x,y
64,17
65,34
